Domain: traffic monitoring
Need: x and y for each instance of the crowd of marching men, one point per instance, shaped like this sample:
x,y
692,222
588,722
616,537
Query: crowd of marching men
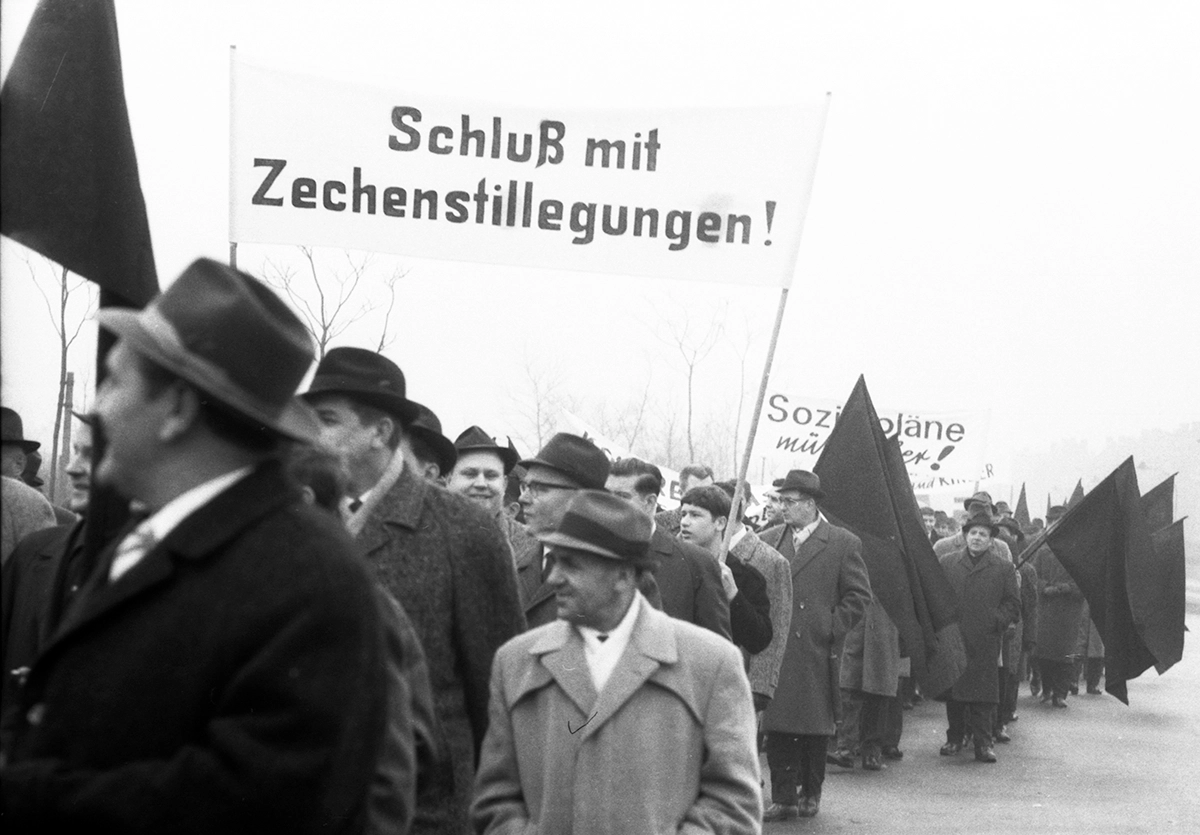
x,y
321,614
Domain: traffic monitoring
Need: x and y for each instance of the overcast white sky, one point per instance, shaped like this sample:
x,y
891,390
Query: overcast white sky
x,y
1006,212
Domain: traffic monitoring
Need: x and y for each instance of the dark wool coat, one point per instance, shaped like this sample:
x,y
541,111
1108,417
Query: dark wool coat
x,y
447,563
830,592
871,656
988,601
689,581
231,681
25,612
1060,609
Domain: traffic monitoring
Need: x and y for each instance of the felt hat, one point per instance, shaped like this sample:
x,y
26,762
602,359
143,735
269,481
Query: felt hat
x,y
1011,525
230,335
364,376
474,439
428,428
603,524
13,430
982,497
575,457
976,519
804,481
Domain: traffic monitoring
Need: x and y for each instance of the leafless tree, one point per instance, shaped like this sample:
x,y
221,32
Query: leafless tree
x,y
541,396
693,340
386,335
328,301
58,299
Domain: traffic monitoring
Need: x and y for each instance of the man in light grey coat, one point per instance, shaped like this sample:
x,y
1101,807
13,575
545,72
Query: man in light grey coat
x,y
615,718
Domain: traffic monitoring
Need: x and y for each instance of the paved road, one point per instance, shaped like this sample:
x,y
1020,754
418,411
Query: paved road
x,y
1095,767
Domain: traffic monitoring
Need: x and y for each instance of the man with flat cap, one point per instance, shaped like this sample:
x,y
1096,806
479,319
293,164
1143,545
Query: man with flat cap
x,y
480,475
830,593
221,669
439,555
615,718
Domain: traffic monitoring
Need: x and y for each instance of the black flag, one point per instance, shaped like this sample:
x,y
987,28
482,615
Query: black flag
x,y
1105,547
1158,505
1021,514
869,492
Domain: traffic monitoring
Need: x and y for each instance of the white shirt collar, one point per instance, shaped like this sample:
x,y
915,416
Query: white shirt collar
x,y
737,537
170,515
602,656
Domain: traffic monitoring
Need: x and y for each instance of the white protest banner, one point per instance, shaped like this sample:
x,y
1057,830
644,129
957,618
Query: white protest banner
x,y
668,498
707,194
793,428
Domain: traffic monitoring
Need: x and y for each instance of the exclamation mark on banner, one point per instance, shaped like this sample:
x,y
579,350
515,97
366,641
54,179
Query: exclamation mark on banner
x,y
770,220
935,465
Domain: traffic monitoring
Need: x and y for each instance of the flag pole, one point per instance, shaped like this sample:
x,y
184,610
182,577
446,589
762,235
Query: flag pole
x,y
232,242
735,510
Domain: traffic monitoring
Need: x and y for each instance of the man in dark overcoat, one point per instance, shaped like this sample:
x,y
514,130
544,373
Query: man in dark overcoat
x,y
830,592
986,586
221,669
1060,613
438,554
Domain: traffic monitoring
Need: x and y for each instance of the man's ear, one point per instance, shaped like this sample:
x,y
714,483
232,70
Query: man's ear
x,y
721,523
183,411
385,427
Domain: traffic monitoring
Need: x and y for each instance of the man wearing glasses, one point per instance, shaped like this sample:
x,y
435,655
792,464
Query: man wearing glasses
x,y
830,592
567,464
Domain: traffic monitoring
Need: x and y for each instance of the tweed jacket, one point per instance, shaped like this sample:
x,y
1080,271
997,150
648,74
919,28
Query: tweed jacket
x,y
764,666
445,560
988,602
23,511
667,746
242,669
830,592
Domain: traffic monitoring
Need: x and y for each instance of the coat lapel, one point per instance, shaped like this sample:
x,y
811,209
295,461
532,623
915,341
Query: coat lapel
x,y
812,546
651,645
197,537
399,503
561,651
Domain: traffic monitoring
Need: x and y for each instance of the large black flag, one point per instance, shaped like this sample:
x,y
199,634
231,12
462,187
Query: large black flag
x,y
69,185
868,491
1158,505
1021,514
1104,544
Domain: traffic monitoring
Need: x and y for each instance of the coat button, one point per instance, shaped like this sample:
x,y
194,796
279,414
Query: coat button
x,y
801,604
798,634
35,714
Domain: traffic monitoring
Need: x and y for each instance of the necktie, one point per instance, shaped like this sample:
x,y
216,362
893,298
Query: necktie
x,y
131,550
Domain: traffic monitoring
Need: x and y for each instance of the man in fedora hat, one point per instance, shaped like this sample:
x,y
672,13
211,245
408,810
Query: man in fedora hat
x,y
429,451
986,587
615,718
1060,615
438,554
24,510
222,667
15,448
830,593
688,577
565,465
480,475
980,502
